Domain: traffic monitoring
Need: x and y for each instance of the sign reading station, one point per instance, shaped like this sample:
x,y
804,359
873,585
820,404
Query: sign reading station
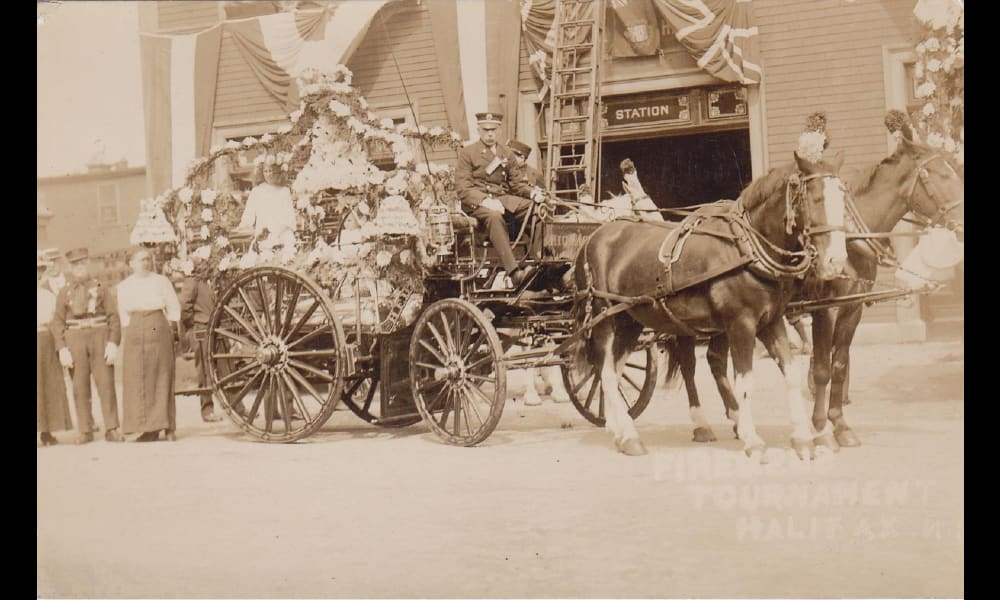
x,y
660,109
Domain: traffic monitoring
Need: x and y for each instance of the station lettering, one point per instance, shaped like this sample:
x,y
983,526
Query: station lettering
x,y
642,112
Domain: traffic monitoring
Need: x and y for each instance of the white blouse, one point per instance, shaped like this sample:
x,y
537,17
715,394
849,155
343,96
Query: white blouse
x,y
46,306
148,292
270,206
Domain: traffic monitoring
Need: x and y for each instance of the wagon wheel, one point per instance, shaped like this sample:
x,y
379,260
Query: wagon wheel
x,y
457,372
636,384
362,381
276,354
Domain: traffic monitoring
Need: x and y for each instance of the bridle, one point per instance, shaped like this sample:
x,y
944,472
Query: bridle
x,y
940,217
794,200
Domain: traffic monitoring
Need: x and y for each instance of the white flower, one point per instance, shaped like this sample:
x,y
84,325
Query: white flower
x,y
249,260
934,65
928,109
295,115
203,252
226,263
948,64
404,256
222,241
949,145
303,202
383,258
285,128
455,136
249,141
935,140
339,108
232,145
185,195
265,255
932,44
208,196
206,214
387,124
811,145
436,131
185,266
363,103
287,254
376,177
939,13
204,233
267,138
925,89
918,70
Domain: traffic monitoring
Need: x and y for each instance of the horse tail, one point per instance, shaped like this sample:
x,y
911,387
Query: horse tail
x,y
673,365
579,351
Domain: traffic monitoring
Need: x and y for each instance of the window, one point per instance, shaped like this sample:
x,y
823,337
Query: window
x,y
107,205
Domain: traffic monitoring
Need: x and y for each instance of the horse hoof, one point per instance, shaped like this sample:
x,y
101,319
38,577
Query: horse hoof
x,y
633,447
847,438
758,453
804,449
819,424
704,435
827,439
736,434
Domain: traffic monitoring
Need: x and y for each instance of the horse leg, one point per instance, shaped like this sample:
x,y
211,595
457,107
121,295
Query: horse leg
x,y
741,339
718,362
552,380
612,341
684,355
843,334
531,397
775,338
819,365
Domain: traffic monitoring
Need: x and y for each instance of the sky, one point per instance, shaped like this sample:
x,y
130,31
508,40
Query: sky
x,y
89,85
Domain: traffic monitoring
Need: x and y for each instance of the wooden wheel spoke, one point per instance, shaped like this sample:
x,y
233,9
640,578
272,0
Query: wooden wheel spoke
x,y
309,336
255,407
600,405
465,415
639,366
302,321
591,394
237,373
481,378
429,385
441,359
279,292
290,312
282,400
314,353
307,367
437,336
296,397
238,398
478,392
458,411
255,334
472,344
427,365
264,308
269,406
631,382
473,406
233,355
448,405
446,326
236,337
480,362
463,334
306,385
579,386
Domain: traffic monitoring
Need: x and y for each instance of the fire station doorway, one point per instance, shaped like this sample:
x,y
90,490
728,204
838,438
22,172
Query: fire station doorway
x,y
681,169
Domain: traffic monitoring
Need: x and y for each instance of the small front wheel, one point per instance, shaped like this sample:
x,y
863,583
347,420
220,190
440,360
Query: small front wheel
x,y
457,372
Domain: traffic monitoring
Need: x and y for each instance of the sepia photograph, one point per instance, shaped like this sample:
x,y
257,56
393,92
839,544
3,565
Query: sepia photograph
x,y
500,299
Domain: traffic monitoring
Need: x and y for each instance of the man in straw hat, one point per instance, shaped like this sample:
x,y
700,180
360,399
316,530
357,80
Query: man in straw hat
x,y
87,331
493,188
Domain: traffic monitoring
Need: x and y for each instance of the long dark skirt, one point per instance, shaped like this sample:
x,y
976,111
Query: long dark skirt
x,y
148,373
53,406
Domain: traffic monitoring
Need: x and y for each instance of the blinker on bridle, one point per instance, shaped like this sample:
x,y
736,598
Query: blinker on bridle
x,y
797,180
941,216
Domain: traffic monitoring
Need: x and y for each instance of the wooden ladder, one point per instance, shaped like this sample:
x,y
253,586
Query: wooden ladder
x,y
574,108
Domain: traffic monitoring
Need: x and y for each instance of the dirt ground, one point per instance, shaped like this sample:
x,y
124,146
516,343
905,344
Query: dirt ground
x,y
543,508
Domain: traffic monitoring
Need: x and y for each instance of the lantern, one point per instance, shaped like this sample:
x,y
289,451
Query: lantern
x,y
442,235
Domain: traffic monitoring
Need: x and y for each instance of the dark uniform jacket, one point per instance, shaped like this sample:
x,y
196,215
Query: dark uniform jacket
x,y
197,299
474,184
85,299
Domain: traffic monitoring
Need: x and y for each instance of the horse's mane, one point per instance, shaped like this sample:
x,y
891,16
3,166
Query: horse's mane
x,y
761,189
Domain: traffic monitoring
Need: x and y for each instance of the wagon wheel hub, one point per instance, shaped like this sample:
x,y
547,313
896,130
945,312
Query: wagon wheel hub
x,y
272,354
453,371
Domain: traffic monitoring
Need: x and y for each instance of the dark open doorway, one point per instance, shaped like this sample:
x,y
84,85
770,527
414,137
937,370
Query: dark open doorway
x,y
680,170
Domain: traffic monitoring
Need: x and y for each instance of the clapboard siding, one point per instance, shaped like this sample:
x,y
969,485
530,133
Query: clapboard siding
x,y
526,81
410,39
827,55
186,15
239,95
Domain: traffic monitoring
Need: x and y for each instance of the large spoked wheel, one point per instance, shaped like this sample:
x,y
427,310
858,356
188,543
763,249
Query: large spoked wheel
x,y
276,354
457,372
637,382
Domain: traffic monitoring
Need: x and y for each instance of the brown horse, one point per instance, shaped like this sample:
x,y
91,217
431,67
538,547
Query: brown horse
x,y
913,179
793,220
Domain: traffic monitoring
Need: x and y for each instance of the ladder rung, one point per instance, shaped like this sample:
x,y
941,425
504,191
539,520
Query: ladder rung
x,y
566,70
579,119
576,22
569,168
580,94
587,46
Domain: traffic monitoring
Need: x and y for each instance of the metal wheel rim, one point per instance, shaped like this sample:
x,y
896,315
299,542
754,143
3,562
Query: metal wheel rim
x,y
586,394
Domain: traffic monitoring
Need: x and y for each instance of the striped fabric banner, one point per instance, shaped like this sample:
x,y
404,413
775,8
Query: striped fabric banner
x,y
179,76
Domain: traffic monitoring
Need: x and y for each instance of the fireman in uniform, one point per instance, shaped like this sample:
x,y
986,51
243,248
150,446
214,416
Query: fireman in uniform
x,y
87,330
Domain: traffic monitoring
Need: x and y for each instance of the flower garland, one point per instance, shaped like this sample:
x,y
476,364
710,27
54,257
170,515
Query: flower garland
x,y
939,74
323,151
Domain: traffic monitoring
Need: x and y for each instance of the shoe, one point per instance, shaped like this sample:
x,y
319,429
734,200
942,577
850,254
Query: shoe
x,y
83,438
47,439
149,436
518,275
168,435
113,435
210,417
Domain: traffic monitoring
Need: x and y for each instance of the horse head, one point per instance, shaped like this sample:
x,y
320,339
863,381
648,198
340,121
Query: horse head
x,y
817,201
935,188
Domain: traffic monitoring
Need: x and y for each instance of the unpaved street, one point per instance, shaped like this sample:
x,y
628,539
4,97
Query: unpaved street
x,y
544,508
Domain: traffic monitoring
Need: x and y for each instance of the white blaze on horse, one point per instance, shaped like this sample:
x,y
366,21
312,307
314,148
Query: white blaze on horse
x,y
728,268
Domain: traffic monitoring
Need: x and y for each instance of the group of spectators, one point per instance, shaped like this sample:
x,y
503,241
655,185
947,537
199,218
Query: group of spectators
x,y
84,326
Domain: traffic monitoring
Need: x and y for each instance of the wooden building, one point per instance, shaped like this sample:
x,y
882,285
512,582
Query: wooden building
x,y
693,136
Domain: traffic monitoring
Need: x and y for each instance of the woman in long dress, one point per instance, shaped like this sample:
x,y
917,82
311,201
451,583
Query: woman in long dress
x,y
149,310
53,406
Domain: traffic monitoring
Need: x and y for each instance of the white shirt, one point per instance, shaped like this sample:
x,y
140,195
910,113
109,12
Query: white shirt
x,y
148,292
270,207
46,306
